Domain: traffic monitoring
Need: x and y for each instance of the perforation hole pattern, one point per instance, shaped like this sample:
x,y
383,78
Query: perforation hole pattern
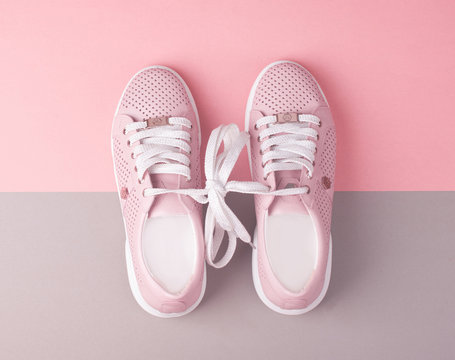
x,y
130,212
258,200
328,155
324,206
198,179
196,175
121,165
287,88
155,92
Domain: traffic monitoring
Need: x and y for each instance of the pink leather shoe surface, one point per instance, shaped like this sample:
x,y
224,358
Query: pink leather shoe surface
x,y
292,145
155,144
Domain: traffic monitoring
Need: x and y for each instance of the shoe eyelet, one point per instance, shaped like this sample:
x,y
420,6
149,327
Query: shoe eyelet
x,y
132,155
124,131
128,142
259,139
320,124
135,168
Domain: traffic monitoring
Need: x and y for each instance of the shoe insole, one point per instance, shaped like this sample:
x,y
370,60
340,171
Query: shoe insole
x,y
169,250
292,248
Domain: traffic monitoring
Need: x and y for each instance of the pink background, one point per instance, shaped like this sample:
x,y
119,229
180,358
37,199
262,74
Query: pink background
x,y
386,67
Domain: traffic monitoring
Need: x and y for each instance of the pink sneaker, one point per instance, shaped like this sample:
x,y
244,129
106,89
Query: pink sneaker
x,y
156,147
292,146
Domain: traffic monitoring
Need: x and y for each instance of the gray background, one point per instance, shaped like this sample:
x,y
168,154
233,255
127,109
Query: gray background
x,y
65,292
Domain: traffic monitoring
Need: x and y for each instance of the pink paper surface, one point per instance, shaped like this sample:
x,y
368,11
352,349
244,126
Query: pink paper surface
x,y
386,67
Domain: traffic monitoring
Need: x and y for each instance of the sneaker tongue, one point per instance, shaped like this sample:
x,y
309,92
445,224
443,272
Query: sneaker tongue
x,y
166,204
287,179
165,181
289,203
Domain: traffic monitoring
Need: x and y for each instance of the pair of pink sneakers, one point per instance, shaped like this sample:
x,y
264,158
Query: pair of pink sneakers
x,y
290,137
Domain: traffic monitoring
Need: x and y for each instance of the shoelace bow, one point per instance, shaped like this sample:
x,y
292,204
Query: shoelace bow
x,y
220,219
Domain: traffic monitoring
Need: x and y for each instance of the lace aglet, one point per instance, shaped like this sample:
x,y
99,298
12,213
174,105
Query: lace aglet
x,y
252,245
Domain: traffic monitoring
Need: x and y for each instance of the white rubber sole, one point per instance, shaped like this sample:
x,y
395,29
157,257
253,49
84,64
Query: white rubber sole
x,y
256,281
129,261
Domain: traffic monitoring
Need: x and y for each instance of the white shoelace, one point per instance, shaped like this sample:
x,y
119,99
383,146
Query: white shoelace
x,y
162,155
159,147
289,145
